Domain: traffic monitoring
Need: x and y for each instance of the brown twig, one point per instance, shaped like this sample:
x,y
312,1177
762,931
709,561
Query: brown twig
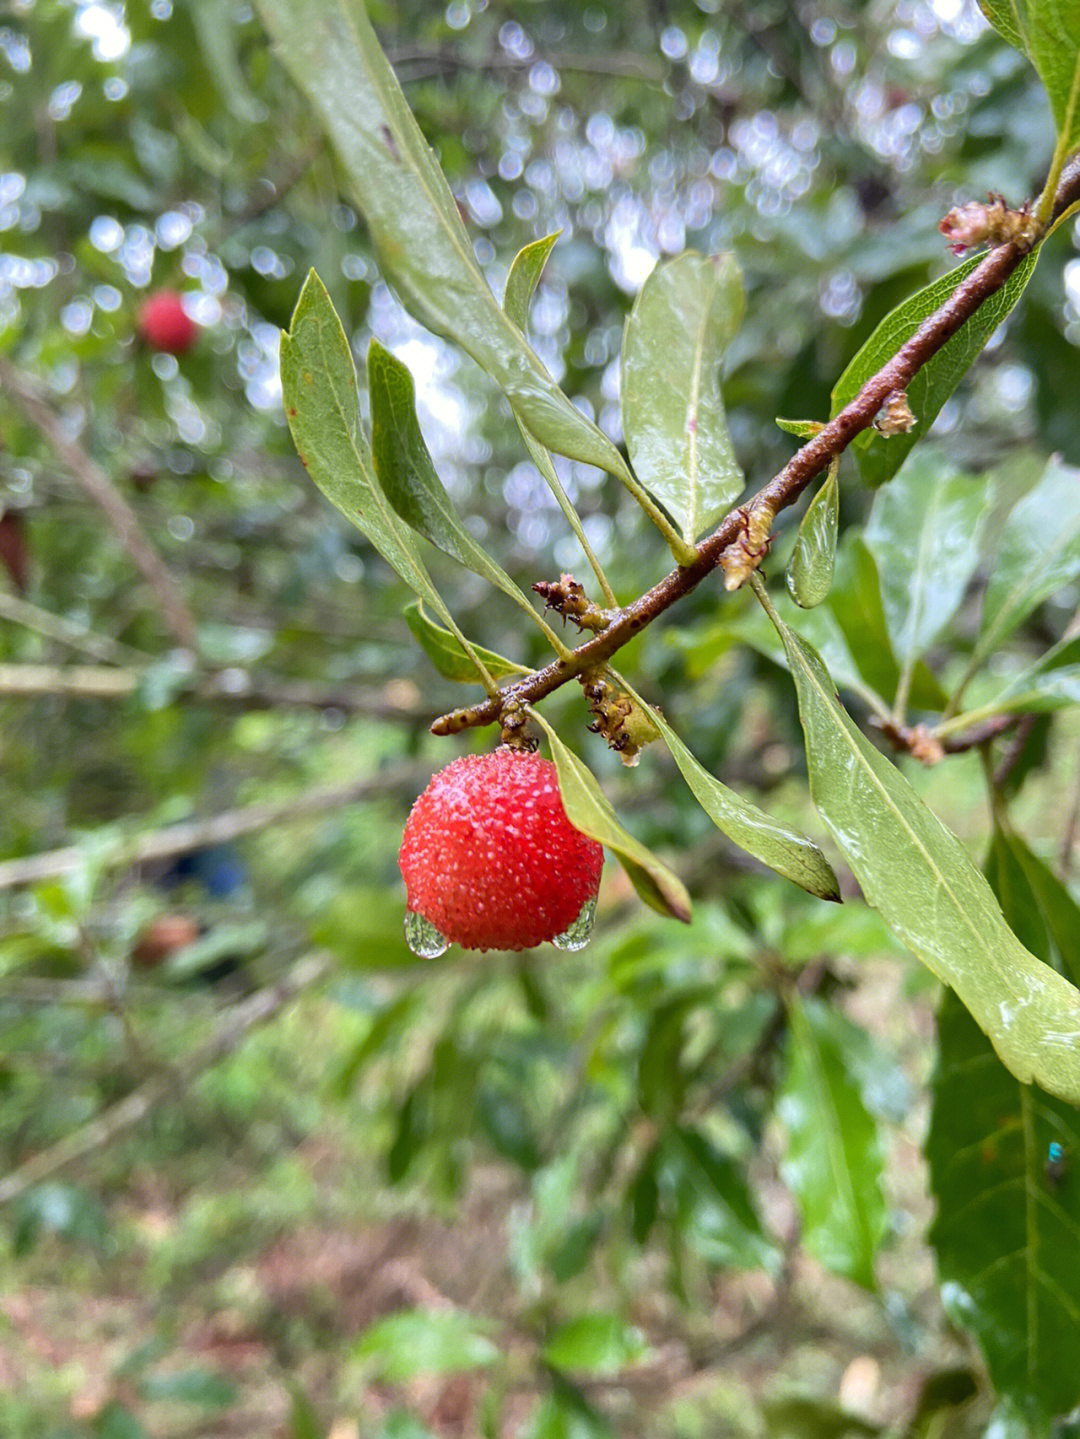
x,y
28,396
986,280
129,1111
218,829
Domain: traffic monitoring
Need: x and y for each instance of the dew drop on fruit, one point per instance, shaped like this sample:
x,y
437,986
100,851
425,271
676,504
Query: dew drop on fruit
x,y
579,933
423,938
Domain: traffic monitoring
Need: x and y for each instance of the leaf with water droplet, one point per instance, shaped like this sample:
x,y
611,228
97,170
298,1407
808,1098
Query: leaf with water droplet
x,y
810,569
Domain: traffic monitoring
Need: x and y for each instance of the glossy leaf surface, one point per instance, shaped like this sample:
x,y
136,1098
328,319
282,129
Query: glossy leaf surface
x,y
588,809
810,569
1048,32
407,473
412,216
1039,552
672,410
524,277
879,456
318,381
924,531
777,845
444,650
833,1163
920,878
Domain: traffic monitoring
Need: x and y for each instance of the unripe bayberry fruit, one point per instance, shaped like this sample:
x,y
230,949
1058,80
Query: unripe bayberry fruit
x,y
165,325
490,858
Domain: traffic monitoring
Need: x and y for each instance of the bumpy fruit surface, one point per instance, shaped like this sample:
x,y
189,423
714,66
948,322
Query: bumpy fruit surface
x,y
165,325
489,857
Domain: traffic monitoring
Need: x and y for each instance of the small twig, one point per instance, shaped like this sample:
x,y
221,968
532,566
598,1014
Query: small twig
x,y
234,687
28,396
129,1111
986,280
436,60
199,833
65,632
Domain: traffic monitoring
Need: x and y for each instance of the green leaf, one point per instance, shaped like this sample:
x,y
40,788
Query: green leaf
x,y
192,1386
920,878
713,1209
412,216
303,1420
879,456
594,1344
1048,32
810,569
407,474
587,809
673,414
425,1341
798,1416
1051,684
524,277
444,650
1039,552
924,532
801,429
318,380
1006,1235
833,1163
777,845
1031,894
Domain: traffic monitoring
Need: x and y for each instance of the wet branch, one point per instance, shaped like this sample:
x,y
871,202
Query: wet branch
x,y
783,489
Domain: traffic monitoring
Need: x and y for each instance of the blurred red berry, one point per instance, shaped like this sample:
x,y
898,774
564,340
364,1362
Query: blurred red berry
x,y
165,325
490,858
164,936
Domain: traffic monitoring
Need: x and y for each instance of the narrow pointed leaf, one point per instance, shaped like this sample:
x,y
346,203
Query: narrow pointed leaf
x,y
1039,552
924,532
444,650
318,381
879,456
392,175
1048,32
673,414
777,845
588,810
1007,1232
1052,683
810,569
1041,894
407,473
712,1201
919,877
801,429
524,277
833,1164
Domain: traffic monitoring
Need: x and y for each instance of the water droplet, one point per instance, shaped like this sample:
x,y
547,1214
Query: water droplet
x,y
422,937
579,933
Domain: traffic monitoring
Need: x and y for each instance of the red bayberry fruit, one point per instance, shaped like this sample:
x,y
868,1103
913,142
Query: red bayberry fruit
x,y
490,858
164,936
165,325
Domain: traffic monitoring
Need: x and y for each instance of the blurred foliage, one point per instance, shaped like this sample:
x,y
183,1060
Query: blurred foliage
x,y
545,1195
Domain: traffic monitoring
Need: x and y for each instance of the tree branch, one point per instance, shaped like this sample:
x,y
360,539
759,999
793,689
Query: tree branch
x,y
129,1111
32,401
782,490
218,829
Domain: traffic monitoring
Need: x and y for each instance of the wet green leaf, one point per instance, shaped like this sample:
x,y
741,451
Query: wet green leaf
x,y
444,650
524,277
588,809
1048,32
673,414
407,474
425,1341
801,429
711,1202
1053,683
810,569
318,381
833,1163
1031,893
412,216
594,1344
1039,552
924,532
879,456
777,845
920,878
